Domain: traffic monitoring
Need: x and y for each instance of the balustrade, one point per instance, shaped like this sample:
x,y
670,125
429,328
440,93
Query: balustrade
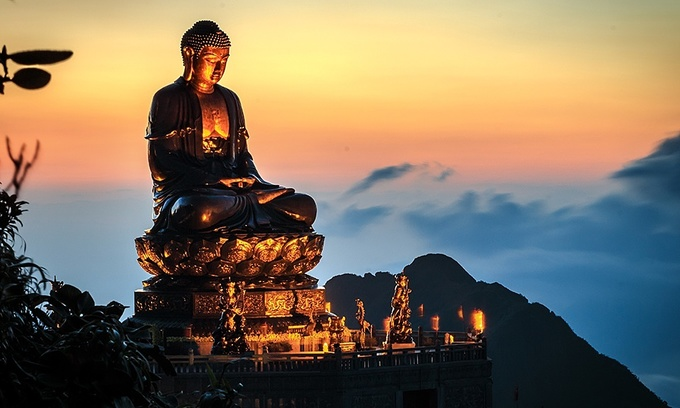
x,y
340,361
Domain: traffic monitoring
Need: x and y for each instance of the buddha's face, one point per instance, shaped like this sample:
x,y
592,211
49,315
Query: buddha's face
x,y
208,67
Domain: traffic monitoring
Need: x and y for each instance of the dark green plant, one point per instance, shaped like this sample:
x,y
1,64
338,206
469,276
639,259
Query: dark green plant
x,y
61,349
220,394
19,291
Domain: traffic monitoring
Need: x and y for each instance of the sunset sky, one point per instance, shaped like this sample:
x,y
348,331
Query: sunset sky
x,y
510,135
501,90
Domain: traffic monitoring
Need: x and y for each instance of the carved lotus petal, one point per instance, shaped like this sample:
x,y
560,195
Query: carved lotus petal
x,y
142,247
150,267
314,247
221,268
267,250
153,251
237,251
204,251
304,265
192,268
175,251
250,268
277,268
293,250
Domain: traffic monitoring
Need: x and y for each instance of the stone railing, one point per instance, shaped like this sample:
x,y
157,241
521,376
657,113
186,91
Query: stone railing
x,y
333,361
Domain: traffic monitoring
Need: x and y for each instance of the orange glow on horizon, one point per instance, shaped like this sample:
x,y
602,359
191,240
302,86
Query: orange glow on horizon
x,y
454,85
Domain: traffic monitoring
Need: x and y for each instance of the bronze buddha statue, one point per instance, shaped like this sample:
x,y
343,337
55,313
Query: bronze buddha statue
x,y
204,178
214,215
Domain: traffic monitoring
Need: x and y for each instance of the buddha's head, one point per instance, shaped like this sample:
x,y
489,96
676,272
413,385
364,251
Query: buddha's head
x,y
205,51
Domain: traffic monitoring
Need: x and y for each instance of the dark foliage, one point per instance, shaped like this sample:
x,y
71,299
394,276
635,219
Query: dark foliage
x,y
221,394
61,349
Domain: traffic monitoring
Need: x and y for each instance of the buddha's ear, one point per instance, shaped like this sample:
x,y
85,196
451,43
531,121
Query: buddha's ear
x,y
187,59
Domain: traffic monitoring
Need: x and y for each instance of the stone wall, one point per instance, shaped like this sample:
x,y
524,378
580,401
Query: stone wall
x,y
341,384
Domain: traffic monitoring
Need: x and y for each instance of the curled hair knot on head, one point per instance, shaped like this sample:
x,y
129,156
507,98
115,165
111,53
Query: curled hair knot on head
x,y
204,33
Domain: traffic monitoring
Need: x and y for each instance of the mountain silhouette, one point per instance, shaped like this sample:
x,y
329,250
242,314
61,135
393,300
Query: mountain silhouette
x,y
538,361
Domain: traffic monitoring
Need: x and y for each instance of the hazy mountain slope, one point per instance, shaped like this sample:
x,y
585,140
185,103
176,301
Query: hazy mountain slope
x,y
533,350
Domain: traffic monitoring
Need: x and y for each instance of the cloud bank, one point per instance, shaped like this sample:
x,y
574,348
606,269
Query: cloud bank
x,y
610,266
433,171
656,176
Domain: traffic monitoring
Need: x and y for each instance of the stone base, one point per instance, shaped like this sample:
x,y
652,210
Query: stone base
x,y
175,312
202,305
208,284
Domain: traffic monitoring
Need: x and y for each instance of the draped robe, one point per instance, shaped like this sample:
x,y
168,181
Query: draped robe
x,y
186,179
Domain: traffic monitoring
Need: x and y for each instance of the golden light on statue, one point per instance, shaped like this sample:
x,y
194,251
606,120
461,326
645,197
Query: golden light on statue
x,y
461,316
434,321
208,193
477,320
328,307
421,310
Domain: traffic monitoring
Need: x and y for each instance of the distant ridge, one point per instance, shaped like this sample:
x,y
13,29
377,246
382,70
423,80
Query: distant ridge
x,y
534,352
440,267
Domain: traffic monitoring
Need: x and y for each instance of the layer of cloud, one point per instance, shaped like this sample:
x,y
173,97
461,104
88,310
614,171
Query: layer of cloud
x,y
433,171
487,222
355,220
656,176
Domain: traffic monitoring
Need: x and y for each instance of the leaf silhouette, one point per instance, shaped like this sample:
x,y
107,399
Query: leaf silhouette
x,y
31,78
39,57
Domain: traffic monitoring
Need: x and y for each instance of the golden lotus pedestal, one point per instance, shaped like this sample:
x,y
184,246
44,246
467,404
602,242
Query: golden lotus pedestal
x,y
185,293
275,260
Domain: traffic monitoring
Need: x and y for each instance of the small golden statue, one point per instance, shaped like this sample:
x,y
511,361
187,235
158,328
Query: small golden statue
x,y
400,326
364,326
229,337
